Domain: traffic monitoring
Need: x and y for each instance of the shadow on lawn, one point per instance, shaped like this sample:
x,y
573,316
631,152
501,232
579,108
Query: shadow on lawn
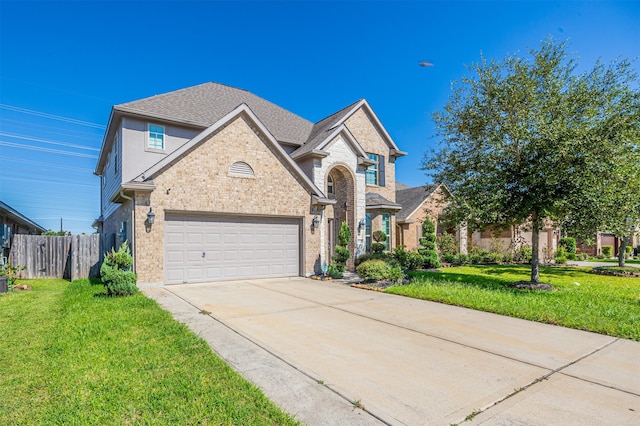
x,y
472,280
494,277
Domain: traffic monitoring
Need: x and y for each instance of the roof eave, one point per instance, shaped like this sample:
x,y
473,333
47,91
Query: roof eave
x,y
384,207
130,188
316,153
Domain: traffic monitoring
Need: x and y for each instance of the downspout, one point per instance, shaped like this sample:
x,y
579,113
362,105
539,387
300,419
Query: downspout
x,y
133,228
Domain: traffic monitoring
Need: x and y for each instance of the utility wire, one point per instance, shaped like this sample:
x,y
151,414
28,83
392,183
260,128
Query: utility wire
x,y
51,116
28,138
50,129
52,151
49,181
43,163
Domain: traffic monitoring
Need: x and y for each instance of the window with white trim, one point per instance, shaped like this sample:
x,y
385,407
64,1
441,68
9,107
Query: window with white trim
x,y
375,173
155,137
386,228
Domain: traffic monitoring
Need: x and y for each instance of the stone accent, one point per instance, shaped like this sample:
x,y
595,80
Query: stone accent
x,y
199,182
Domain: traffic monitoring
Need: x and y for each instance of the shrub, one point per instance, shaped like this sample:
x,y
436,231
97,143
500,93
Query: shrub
x,y
115,272
523,255
378,247
334,272
373,256
561,259
449,258
607,251
572,256
447,245
569,244
414,261
462,258
377,270
583,256
628,250
401,255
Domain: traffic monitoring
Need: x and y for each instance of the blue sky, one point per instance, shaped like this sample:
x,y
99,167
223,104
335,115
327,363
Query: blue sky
x,y
63,65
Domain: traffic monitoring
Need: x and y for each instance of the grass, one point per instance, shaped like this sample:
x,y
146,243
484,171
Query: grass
x,y
602,304
73,356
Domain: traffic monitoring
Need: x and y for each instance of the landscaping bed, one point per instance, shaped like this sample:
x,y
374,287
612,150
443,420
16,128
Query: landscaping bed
x,y
617,271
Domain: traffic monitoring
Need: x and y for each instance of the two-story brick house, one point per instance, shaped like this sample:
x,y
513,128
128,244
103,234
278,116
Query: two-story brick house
x,y
237,187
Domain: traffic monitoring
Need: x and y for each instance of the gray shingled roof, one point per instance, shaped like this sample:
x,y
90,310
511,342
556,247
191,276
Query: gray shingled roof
x,y
411,198
321,130
377,201
205,104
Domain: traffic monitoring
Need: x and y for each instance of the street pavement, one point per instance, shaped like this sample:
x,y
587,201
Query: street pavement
x,y
331,354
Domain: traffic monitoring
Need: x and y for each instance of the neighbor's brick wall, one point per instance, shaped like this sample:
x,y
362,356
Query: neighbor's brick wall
x,y
200,182
432,207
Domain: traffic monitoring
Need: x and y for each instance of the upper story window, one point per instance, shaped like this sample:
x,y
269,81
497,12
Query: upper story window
x,y
375,173
156,137
330,189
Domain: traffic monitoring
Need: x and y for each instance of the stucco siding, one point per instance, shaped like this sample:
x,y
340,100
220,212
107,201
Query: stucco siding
x,y
137,157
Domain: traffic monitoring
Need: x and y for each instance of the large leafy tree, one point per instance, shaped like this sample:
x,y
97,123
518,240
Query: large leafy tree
x,y
527,139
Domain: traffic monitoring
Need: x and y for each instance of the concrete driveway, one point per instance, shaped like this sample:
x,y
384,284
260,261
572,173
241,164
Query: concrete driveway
x,y
331,354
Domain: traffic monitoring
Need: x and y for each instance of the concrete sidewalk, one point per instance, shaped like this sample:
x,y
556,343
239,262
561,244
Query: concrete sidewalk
x,y
331,354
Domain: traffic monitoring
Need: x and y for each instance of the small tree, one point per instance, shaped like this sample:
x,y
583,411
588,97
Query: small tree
x,y
428,243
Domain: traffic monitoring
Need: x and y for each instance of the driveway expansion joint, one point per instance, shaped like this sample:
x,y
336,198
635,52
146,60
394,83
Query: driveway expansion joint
x,y
320,382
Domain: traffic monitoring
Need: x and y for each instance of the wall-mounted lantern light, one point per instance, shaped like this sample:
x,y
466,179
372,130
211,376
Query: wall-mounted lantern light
x,y
315,222
361,224
151,217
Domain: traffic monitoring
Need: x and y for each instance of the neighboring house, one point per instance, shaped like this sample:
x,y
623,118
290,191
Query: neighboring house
x,y
504,240
13,222
418,203
237,187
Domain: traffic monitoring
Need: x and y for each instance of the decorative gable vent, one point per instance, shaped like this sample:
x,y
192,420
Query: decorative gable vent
x,y
240,168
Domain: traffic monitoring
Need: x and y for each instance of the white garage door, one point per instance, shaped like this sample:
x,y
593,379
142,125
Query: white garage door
x,y
199,249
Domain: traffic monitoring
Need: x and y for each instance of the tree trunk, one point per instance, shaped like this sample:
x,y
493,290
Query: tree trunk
x,y
535,243
622,250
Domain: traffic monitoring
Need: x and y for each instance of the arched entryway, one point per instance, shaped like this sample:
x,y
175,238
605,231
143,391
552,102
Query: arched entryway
x,y
340,185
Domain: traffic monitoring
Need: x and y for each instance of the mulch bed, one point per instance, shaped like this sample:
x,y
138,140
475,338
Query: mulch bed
x,y
628,274
528,285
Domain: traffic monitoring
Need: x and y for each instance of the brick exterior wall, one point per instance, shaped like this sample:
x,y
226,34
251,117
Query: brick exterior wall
x,y
200,182
362,126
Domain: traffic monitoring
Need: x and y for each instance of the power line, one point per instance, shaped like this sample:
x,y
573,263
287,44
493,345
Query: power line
x,y
51,116
65,131
42,163
50,181
28,138
52,151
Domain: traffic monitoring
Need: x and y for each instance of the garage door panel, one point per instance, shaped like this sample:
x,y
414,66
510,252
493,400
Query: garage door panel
x,y
234,248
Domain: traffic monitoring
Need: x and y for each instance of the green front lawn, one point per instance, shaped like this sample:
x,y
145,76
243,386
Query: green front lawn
x,y
72,356
602,304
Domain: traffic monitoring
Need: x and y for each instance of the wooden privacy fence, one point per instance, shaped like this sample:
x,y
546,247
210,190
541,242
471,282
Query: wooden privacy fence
x,y
71,257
